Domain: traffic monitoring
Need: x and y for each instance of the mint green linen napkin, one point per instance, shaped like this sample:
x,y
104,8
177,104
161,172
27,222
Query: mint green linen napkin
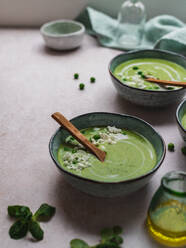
x,y
161,32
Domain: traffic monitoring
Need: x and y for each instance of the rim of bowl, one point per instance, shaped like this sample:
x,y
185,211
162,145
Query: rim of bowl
x,y
145,50
156,167
177,115
42,29
167,177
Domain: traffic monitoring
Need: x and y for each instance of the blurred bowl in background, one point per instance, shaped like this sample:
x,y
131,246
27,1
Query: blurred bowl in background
x,y
63,34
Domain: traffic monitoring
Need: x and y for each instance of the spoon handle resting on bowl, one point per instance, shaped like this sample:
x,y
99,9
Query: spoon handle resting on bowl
x,y
166,82
79,136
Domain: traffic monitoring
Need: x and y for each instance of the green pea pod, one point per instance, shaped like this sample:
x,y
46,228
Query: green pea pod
x,y
44,213
36,230
19,229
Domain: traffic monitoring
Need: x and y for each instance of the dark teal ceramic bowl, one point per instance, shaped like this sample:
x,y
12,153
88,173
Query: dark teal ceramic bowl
x,y
181,110
105,189
143,97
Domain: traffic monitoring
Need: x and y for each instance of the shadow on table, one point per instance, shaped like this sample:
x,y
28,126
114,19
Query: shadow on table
x,y
92,213
49,51
155,116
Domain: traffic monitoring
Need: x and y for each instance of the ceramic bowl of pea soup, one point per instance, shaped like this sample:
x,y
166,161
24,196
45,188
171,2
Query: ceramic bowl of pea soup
x,y
63,34
134,152
181,119
128,71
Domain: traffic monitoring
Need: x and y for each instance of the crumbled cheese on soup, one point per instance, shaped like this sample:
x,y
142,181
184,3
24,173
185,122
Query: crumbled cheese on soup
x,y
110,136
80,159
114,129
76,161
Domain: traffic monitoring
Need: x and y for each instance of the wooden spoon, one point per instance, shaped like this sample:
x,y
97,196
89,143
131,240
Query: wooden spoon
x,y
165,82
79,136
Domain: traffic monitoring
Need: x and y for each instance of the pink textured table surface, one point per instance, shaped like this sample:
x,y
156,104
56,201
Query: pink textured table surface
x,y
36,82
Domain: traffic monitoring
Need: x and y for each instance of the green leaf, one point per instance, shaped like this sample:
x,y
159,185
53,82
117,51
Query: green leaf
x,y
36,230
117,230
117,240
107,245
106,234
19,211
19,229
183,149
78,243
44,213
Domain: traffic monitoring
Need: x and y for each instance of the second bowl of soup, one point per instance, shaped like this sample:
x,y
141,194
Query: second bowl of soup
x,y
128,73
181,119
134,151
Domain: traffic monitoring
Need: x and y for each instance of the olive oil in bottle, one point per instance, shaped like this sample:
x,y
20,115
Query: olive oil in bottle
x,y
166,220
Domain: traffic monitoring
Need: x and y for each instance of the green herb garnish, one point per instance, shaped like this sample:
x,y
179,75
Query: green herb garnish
x,y
156,87
183,149
28,221
140,72
69,139
170,88
66,149
19,211
143,76
110,238
75,161
135,68
92,80
81,86
19,229
76,76
44,213
36,230
96,136
78,243
171,147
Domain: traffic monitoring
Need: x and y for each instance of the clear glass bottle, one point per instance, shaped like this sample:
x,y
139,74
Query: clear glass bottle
x,y
131,20
166,219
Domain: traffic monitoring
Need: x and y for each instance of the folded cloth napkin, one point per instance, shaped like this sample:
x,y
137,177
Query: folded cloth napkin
x,y
161,32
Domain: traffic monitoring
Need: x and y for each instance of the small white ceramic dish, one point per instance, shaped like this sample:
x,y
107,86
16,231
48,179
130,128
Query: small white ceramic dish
x,y
63,34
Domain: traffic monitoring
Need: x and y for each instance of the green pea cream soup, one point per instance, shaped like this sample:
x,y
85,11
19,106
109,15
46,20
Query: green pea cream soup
x,y
128,155
133,72
183,122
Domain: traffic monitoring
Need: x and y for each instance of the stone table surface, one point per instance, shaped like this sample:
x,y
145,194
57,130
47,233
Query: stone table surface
x,y
36,82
